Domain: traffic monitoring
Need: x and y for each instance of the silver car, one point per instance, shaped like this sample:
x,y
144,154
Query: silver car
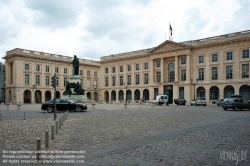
x,y
201,101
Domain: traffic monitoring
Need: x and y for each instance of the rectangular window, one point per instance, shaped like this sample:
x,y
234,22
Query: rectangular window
x,y
37,80
88,83
158,63
64,81
27,67
106,81
121,68
88,73
113,81
121,80
129,79
137,79
47,80
201,59
183,60
113,69
229,72
214,73
214,57
37,67
65,71
47,69
245,53
129,67
229,56
137,67
145,65
27,79
56,70
146,78
158,76
106,70
95,74
81,72
57,81
245,71
201,73
183,74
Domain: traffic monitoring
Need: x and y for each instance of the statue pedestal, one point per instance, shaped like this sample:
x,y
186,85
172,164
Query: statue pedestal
x,y
74,81
75,97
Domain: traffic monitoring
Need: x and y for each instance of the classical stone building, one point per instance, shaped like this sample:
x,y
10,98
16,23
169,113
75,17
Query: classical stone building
x,y
213,68
28,76
2,80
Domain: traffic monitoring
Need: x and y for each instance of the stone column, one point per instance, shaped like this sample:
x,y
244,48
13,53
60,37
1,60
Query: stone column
x,y
151,77
188,70
176,69
109,97
162,70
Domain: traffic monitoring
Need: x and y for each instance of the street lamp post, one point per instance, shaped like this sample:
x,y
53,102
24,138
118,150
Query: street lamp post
x,y
126,86
194,82
95,86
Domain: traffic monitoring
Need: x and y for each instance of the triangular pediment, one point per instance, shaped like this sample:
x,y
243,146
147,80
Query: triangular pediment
x,y
170,46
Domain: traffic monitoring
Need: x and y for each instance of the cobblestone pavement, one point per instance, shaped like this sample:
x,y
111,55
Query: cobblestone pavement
x,y
141,135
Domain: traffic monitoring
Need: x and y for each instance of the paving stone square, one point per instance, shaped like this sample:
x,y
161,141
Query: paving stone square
x,y
138,135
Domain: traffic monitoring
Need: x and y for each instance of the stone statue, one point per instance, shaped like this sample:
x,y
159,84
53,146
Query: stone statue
x,y
68,90
75,64
78,89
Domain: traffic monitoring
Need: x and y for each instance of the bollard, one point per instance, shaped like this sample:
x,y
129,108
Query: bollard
x,y
56,127
8,106
46,115
125,105
0,116
52,132
18,107
38,148
60,123
47,139
62,120
93,106
165,104
64,117
153,104
24,117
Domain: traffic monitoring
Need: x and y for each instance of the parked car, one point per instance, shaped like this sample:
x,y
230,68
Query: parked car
x,y
201,101
219,103
193,102
63,104
236,96
161,99
181,102
1,100
236,104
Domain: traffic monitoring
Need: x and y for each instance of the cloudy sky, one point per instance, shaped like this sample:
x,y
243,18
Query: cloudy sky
x,y
94,28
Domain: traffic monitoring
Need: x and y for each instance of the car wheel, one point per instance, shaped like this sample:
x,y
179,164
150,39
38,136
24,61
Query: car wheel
x,y
49,109
225,108
235,108
78,109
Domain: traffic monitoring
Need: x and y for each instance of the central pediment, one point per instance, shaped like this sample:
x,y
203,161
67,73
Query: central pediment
x,y
169,46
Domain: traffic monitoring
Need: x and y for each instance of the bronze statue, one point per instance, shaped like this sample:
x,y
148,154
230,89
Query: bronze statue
x,y
78,89
75,64
68,90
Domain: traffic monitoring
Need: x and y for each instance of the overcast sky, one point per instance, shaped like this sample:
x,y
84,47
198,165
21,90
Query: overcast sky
x,y
94,28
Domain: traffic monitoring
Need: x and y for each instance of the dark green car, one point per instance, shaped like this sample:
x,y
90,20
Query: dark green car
x,y
236,104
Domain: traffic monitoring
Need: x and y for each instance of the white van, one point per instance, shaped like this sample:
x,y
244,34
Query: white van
x,y
161,99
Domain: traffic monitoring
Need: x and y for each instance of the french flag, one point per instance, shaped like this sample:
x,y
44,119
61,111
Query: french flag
x,y
170,29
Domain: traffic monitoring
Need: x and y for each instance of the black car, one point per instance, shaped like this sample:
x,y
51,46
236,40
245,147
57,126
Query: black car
x,y
236,104
63,104
181,102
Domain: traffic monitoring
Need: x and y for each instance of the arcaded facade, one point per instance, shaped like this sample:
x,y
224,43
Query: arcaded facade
x,y
213,68
28,76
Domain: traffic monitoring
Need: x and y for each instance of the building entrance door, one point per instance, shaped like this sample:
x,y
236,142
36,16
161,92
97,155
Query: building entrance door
x,y
168,90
